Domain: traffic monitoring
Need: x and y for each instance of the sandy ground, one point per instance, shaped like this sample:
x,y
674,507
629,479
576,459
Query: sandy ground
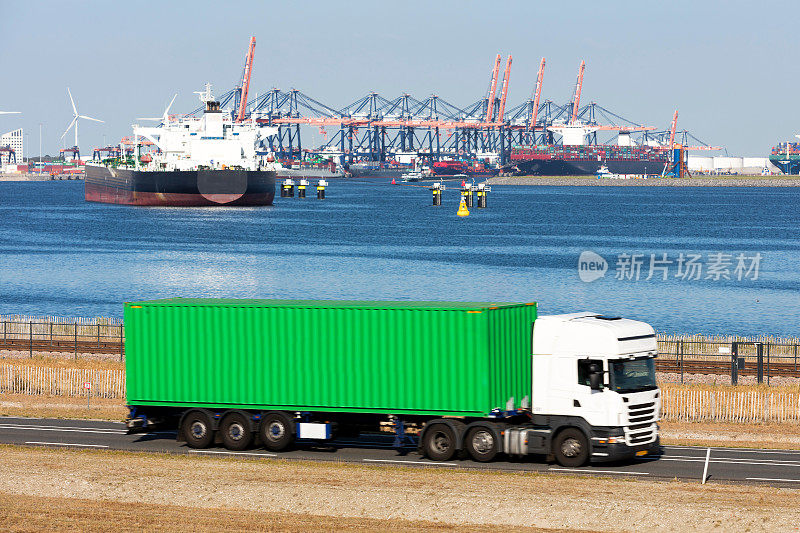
x,y
710,181
491,500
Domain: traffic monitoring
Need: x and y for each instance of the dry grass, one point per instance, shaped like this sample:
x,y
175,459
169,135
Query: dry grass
x,y
731,435
297,494
61,407
40,361
71,514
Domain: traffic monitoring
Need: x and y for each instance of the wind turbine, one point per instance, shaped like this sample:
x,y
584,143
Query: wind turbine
x,y
75,117
165,117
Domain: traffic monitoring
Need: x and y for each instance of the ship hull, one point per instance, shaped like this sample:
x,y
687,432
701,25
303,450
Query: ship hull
x,y
179,188
308,173
561,167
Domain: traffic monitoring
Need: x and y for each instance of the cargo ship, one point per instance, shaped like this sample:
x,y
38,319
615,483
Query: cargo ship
x,y
394,169
558,160
786,156
203,161
308,170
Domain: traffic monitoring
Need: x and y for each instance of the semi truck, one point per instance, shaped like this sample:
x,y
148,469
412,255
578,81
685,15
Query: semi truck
x,y
455,379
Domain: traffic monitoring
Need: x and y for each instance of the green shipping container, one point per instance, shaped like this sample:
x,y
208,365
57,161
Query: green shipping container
x,y
426,358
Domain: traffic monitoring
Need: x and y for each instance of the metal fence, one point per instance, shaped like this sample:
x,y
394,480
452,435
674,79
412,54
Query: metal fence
x,y
62,337
764,360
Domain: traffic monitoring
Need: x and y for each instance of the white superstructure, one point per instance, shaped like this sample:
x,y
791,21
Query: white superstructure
x,y
212,141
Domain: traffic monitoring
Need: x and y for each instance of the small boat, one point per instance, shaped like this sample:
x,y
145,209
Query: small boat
x,y
412,176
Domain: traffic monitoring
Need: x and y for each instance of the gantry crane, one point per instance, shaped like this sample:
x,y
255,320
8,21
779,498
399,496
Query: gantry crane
x,y
493,89
501,112
537,93
245,83
576,99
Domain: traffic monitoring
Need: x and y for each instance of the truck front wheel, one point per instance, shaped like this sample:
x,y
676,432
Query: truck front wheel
x,y
197,430
571,448
275,432
481,444
439,443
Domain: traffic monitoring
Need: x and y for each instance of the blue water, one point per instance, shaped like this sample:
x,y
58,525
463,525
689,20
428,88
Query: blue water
x,y
371,240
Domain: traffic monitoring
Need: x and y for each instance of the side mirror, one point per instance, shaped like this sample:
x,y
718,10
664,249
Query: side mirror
x,y
595,377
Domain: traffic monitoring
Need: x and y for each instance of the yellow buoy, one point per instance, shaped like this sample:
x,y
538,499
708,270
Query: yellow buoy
x,y
462,208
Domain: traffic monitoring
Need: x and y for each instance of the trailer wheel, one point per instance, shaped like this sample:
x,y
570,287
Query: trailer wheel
x,y
439,443
236,433
276,432
197,430
482,444
571,448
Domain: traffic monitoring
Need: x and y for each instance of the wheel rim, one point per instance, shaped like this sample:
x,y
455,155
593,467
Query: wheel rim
x,y
571,447
198,429
236,431
275,430
483,442
441,442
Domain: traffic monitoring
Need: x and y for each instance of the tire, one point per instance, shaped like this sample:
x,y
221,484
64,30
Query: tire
x,y
276,432
197,430
571,448
236,432
439,443
482,444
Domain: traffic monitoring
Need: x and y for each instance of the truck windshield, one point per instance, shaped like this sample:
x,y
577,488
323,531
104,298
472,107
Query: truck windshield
x,y
633,375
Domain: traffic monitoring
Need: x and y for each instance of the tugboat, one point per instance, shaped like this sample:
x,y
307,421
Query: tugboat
x,y
210,160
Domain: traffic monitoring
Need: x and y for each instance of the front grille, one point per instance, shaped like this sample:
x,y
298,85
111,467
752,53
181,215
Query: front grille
x,y
642,413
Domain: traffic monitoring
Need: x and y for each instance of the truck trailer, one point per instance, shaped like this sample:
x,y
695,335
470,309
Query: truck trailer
x,y
474,378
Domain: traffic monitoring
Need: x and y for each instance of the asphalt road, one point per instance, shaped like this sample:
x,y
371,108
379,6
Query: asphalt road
x,y
741,465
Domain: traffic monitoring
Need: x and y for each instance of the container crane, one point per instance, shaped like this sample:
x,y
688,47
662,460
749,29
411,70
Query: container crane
x,y
504,92
245,83
537,93
672,129
576,99
493,89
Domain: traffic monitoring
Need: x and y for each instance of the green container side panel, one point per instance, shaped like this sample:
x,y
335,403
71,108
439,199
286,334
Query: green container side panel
x,y
451,358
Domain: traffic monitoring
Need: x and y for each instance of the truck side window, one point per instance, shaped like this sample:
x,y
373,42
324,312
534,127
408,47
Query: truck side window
x,y
583,370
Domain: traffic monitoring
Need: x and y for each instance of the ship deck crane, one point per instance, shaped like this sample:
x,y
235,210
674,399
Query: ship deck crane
x,y
245,83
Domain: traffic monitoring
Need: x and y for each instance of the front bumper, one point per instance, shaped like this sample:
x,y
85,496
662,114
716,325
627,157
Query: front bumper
x,y
604,451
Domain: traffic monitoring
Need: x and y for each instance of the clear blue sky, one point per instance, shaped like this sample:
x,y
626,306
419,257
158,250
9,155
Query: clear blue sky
x,y
730,68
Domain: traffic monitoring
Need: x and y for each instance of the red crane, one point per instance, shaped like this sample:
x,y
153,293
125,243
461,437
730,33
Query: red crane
x,y
576,100
493,89
248,67
504,92
537,93
672,129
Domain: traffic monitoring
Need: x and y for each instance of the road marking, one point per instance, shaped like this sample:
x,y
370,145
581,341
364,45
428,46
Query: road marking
x,y
66,444
743,450
600,471
772,479
235,453
64,429
407,462
734,461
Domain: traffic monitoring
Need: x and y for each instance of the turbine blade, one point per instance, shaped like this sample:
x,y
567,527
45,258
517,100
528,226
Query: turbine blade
x,y
68,127
10,112
90,118
74,109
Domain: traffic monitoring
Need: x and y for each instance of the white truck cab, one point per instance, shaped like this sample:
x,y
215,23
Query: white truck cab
x,y
595,374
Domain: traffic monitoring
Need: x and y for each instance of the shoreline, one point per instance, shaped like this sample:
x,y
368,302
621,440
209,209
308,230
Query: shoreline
x,y
591,181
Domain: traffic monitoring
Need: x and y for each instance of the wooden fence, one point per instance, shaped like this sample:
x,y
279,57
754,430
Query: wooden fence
x,y
688,405
48,381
